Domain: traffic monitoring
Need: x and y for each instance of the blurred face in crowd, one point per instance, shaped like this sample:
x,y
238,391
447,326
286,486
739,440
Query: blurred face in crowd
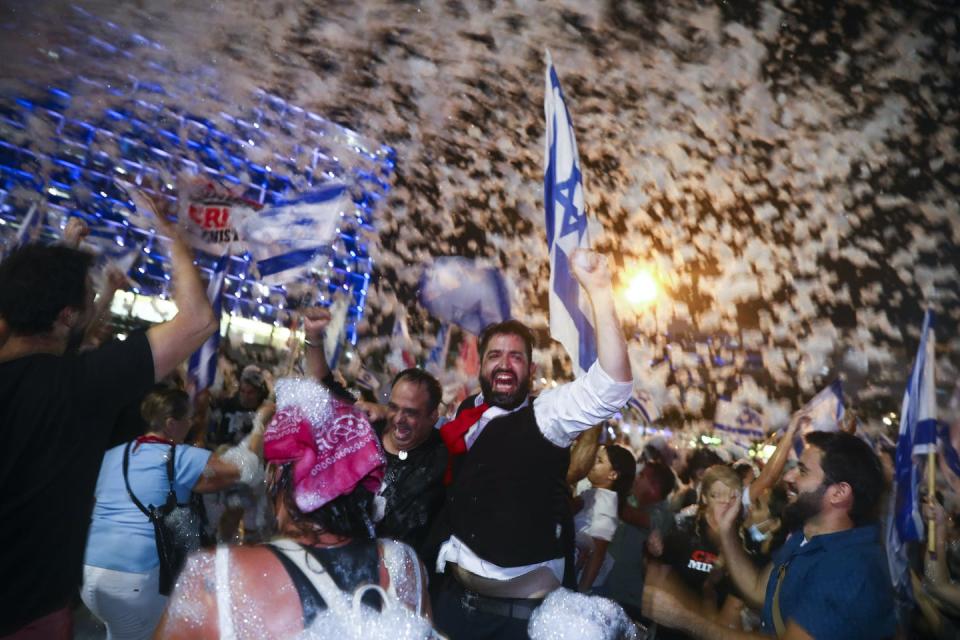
x,y
601,474
645,486
409,421
249,396
806,486
719,493
505,372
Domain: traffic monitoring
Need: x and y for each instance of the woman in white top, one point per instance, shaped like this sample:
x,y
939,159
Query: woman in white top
x,y
611,479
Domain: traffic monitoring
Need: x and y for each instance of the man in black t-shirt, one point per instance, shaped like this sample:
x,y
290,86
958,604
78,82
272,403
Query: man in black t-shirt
x,y
416,459
57,410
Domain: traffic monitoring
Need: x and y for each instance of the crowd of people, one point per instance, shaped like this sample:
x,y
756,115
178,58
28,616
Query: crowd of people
x,y
327,514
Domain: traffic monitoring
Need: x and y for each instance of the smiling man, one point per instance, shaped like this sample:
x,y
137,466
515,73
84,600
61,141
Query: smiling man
x,y
830,580
416,459
508,528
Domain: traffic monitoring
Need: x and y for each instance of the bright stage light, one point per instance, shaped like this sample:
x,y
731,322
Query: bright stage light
x,y
642,289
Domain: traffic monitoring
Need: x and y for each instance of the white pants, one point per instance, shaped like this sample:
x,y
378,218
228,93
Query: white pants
x,y
129,604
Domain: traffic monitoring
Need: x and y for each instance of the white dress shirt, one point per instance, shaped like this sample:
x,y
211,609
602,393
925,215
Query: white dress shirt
x,y
562,413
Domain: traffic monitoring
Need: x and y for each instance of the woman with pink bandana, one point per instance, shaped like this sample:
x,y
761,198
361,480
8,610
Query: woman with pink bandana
x,y
326,466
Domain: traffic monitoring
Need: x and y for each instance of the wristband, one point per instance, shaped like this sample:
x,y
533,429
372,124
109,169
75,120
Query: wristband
x,y
307,342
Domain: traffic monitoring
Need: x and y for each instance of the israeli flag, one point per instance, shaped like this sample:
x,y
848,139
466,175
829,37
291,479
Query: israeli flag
x,y
825,411
333,337
297,233
643,402
571,321
918,436
460,291
740,423
202,368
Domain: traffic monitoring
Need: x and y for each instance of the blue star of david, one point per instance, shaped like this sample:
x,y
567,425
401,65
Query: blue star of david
x,y
573,219
747,418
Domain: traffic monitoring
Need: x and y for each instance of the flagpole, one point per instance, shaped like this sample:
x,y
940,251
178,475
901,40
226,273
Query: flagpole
x,y
931,494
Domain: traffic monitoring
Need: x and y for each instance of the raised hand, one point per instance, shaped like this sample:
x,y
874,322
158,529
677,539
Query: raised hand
x,y
590,269
75,232
315,322
726,513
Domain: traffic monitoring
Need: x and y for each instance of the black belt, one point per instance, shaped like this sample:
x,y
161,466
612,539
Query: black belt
x,y
516,608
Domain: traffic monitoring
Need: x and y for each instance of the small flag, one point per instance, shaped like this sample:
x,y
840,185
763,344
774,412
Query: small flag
x,y
296,235
566,227
825,411
741,423
460,291
643,402
202,368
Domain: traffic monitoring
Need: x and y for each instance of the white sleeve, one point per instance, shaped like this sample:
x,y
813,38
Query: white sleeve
x,y
604,521
566,411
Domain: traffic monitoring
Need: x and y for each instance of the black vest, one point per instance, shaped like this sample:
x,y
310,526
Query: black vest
x,y
509,501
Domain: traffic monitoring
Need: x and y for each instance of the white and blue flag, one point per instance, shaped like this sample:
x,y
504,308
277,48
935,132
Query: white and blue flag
x,y
918,436
30,226
825,411
740,423
202,368
462,292
645,404
566,226
296,234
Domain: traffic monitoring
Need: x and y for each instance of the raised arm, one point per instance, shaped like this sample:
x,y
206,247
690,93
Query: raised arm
x,y
774,467
315,321
750,581
593,273
173,341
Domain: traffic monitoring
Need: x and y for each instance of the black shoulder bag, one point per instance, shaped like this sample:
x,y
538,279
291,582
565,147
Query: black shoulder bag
x,y
176,527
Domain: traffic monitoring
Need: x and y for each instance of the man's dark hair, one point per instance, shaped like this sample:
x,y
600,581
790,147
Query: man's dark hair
x,y
663,476
847,458
507,327
424,379
37,282
743,469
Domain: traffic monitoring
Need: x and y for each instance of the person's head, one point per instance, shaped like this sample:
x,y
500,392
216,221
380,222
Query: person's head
x,y
720,486
614,468
46,289
253,388
506,367
745,470
838,474
654,483
412,409
167,411
698,461
326,462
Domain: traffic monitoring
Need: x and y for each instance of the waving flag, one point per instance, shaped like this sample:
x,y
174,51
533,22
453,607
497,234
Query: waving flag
x,y
643,402
566,225
825,411
918,435
333,337
459,291
741,423
296,234
202,368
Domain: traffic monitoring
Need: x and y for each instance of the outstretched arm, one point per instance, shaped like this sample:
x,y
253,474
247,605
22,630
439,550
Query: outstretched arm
x,y
173,341
315,321
774,467
750,581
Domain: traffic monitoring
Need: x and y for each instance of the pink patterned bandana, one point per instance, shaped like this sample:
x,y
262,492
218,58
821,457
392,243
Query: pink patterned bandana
x,y
331,444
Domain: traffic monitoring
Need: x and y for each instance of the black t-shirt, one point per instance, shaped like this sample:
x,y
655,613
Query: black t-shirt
x,y
56,418
414,491
693,556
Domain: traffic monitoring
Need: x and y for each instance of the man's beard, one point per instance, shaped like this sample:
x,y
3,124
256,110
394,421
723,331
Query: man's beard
x,y
506,401
807,505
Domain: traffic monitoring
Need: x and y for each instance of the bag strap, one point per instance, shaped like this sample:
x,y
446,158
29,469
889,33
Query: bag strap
x,y
315,573
778,626
126,481
170,471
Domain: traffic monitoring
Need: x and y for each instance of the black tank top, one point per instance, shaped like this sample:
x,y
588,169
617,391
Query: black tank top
x,y
355,564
